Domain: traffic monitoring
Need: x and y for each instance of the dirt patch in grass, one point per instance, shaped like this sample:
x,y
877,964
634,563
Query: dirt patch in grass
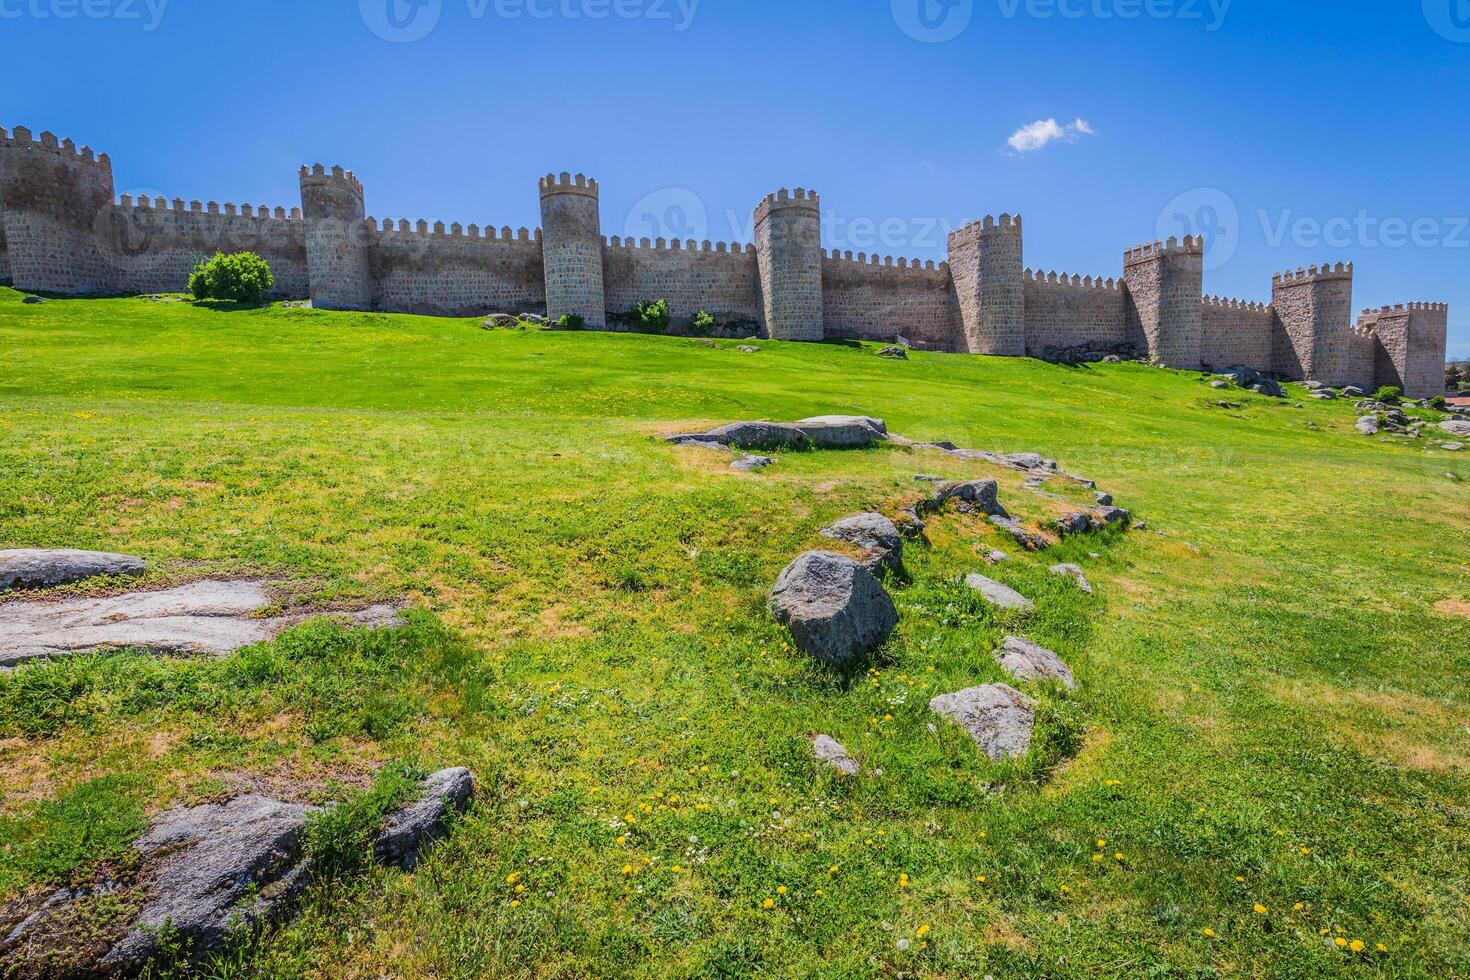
x,y
1395,725
74,935
1453,607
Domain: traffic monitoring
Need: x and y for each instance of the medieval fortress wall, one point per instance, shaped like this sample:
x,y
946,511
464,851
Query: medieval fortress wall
x,y
63,230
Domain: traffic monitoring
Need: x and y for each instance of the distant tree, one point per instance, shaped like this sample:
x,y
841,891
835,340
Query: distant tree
x,y
240,278
1455,377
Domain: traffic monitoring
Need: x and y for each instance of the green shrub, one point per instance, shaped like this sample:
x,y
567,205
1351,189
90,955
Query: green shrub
x,y
704,324
1388,394
1438,403
653,317
240,278
571,321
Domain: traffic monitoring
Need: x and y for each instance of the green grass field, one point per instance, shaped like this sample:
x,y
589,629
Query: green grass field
x,y
1269,750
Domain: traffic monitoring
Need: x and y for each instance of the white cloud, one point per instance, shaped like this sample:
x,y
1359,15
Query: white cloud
x,y
1030,138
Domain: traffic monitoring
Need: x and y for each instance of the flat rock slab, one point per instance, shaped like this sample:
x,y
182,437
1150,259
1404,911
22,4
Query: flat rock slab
x,y
203,617
37,568
835,609
997,716
748,464
830,753
876,535
998,595
877,426
1456,427
1027,661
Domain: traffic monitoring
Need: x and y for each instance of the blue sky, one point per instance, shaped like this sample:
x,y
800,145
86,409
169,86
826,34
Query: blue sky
x,y
1291,132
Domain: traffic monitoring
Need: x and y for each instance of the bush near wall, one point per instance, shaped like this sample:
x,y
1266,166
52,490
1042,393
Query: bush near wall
x,y
243,277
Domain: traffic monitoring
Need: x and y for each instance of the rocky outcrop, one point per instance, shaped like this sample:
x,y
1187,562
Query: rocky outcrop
x,y
969,497
1027,661
999,718
876,535
835,609
424,819
1075,573
1001,596
39,568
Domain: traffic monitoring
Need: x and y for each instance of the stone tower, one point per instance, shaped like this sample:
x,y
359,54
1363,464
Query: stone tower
x,y
336,239
1314,334
56,207
1410,350
985,259
571,229
788,248
1165,281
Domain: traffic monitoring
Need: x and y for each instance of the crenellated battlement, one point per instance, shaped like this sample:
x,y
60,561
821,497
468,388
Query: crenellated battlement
x,y
676,245
144,203
21,138
453,232
1063,279
884,261
1189,245
784,199
1249,306
973,231
1410,308
318,174
568,184
1323,273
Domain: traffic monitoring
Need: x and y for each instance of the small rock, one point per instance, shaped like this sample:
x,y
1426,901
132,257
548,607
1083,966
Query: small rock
x,y
1452,447
1220,384
995,557
998,717
910,524
928,478
423,820
998,595
830,753
1456,427
1108,516
1368,425
1324,395
1075,573
747,349
42,568
1027,661
835,609
1352,391
1103,499
874,533
1019,534
749,463
1070,524
501,321
894,353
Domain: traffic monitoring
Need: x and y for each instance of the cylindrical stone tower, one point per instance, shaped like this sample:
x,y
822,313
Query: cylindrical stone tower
x,y
336,239
788,246
571,248
985,259
1165,294
1315,308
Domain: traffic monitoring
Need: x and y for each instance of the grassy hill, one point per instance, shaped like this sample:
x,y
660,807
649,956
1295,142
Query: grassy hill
x,y
1272,712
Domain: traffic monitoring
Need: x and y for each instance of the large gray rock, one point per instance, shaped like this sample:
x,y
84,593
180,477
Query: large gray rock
x,y
1368,425
1027,661
835,609
203,617
424,819
843,431
1109,516
970,497
1456,427
894,353
210,869
759,435
877,426
998,717
998,595
874,533
830,753
44,567
1018,533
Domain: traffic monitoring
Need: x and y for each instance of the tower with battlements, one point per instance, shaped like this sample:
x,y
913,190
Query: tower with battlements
x,y
571,248
986,261
56,205
788,248
1314,312
337,239
1165,281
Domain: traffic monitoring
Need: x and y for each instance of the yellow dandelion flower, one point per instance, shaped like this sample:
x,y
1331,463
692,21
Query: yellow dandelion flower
x,y
833,870
515,903
512,878
622,839
1119,857
1305,851
769,903
1240,878
1210,933
1066,890
1381,948
1357,946
520,888
627,869
922,931
820,893
1298,907
980,878
1096,858
1260,909
1341,942
781,890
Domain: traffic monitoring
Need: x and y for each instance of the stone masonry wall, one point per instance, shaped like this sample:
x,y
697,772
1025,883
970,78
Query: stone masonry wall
x,y
1410,353
1236,333
153,246
5,279
985,258
1065,311
863,299
455,271
53,197
1314,308
1164,282
788,244
719,279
